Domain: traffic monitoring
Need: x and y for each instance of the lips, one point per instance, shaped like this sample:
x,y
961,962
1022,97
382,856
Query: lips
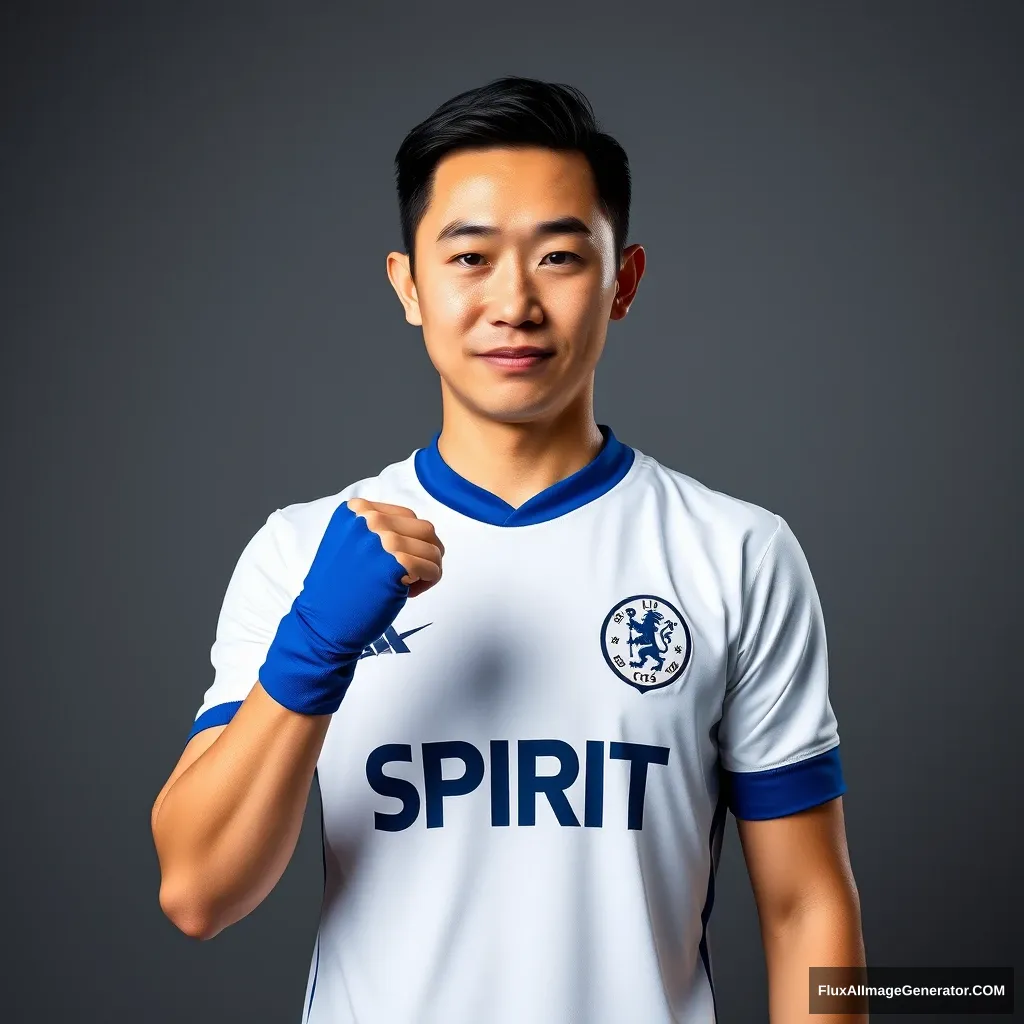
x,y
518,352
522,357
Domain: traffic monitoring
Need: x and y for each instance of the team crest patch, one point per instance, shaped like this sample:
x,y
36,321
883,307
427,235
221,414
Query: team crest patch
x,y
646,642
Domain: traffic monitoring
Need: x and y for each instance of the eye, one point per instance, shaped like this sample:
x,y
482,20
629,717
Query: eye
x,y
471,260
468,255
571,257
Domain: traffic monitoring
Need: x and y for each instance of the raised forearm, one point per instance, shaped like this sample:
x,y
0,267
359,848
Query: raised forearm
x,y
822,933
228,826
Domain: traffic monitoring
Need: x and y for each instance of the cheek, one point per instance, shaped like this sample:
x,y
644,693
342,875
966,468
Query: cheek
x,y
448,308
448,315
579,308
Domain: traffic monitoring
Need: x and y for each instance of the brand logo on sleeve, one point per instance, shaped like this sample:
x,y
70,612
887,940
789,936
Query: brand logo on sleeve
x,y
392,642
646,642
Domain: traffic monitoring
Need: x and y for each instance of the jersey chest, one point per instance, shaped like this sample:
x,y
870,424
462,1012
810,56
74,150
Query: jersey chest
x,y
591,657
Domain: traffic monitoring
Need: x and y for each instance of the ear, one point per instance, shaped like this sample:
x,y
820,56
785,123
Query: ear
x,y
634,259
405,287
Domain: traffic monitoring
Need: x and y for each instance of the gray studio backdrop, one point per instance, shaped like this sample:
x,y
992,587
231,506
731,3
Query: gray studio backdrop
x,y
197,329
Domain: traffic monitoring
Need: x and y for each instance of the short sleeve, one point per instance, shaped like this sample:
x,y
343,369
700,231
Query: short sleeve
x,y
778,739
259,594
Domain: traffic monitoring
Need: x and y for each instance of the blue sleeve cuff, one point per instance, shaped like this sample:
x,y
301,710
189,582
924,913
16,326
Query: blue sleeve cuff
x,y
776,792
219,714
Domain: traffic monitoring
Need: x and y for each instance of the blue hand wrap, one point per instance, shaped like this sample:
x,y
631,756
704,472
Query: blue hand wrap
x,y
352,593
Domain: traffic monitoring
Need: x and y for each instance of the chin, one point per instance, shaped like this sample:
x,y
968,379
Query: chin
x,y
510,411
512,403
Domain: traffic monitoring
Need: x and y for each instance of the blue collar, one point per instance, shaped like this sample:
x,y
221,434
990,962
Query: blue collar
x,y
601,474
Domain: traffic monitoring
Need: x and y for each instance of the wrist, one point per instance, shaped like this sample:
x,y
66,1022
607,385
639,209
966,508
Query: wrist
x,y
302,671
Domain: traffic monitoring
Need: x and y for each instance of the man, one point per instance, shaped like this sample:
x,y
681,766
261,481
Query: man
x,y
525,769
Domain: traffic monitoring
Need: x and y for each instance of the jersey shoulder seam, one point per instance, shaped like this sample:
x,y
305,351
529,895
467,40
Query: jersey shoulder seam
x,y
764,555
750,587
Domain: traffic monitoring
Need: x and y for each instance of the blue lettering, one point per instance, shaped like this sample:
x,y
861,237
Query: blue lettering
x,y
499,783
530,785
593,807
552,786
387,785
436,787
639,756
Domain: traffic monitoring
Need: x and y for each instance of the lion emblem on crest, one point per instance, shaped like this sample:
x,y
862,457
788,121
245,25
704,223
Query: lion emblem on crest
x,y
652,641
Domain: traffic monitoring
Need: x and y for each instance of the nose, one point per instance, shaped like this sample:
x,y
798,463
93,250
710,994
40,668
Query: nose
x,y
513,299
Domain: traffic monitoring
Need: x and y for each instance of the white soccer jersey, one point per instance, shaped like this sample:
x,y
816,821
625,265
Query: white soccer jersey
x,y
524,789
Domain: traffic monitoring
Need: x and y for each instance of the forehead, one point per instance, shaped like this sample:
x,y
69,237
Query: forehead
x,y
508,185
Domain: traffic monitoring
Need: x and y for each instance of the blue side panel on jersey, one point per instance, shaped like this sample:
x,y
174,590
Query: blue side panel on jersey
x,y
220,714
316,972
776,792
715,838
601,474
323,851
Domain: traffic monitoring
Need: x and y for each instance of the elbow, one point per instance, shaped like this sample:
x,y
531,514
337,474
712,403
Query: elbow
x,y
186,912
180,898
836,906
845,897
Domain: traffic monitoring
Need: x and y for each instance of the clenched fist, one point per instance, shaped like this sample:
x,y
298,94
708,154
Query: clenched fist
x,y
371,558
411,540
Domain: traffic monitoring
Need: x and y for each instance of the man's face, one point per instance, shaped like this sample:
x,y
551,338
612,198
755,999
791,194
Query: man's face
x,y
514,255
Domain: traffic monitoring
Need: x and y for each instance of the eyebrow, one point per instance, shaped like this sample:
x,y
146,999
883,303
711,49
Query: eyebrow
x,y
560,226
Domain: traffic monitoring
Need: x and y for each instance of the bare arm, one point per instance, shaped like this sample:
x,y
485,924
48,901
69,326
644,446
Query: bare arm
x,y
226,822
807,903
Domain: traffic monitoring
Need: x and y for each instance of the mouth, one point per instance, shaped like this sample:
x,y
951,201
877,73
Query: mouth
x,y
522,357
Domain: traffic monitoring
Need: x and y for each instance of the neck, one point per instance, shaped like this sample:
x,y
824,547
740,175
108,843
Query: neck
x,y
516,461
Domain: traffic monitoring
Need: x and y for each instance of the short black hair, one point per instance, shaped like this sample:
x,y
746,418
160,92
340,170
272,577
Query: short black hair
x,y
511,111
